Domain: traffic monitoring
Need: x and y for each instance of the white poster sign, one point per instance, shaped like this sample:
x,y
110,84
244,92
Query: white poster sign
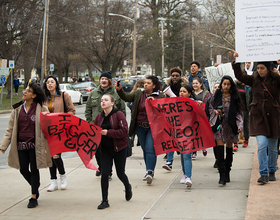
x,y
215,74
257,30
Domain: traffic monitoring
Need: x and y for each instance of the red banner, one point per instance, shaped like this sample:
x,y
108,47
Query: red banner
x,y
66,132
179,124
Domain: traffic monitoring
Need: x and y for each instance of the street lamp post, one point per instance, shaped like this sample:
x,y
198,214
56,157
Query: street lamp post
x,y
135,32
211,59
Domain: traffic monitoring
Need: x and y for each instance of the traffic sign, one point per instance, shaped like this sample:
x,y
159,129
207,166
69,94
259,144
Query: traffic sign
x,y
52,67
3,79
4,63
11,64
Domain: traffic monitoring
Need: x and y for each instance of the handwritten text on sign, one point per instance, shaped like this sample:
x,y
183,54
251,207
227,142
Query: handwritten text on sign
x,y
66,132
257,26
178,124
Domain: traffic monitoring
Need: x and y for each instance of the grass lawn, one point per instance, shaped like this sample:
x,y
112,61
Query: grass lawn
x,y
6,103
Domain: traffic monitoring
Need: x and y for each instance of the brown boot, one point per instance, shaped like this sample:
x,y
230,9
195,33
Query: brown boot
x,y
241,139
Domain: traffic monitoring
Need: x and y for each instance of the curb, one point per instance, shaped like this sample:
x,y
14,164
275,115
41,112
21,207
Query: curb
x,y
5,111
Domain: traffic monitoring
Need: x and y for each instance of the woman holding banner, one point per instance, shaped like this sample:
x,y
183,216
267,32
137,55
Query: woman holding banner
x,y
186,159
57,101
29,147
113,146
201,94
226,117
264,114
139,120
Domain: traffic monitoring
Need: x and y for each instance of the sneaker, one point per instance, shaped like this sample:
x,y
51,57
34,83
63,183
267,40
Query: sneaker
x,y
150,176
245,144
97,173
235,148
167,166
32,203
204,152
271,176
193,156
103,205
128,193
188,182
53,186
263,179
183,180
63,181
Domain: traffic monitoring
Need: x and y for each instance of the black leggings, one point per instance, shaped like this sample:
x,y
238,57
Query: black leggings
x,y
27,157
107,163
57,164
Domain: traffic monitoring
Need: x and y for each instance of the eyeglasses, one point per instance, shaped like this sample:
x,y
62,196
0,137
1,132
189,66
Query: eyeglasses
x,y
175,75
26,90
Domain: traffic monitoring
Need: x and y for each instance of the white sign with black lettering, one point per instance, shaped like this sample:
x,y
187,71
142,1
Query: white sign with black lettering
x,y
257,30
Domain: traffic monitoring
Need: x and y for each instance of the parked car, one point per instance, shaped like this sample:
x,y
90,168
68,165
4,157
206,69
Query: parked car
x,y
21,81
85,88
127,84
75,95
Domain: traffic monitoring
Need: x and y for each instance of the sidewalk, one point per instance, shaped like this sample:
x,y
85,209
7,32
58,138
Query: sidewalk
x,y
166,198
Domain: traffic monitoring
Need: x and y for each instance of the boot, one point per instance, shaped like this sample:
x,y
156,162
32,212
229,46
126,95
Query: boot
x,y
220,151
228,162
241,139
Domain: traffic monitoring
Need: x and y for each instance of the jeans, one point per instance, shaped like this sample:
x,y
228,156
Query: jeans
x,y
170,156
186,161
147,145
267,163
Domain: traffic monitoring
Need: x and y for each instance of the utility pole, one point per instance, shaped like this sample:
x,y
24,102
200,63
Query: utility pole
x,y
162,45
183,62
192,46
45,41
134,41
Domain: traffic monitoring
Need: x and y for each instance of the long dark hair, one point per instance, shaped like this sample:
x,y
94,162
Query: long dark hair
x,y
40,95
155,81
47,92
189,89
274,75
233,92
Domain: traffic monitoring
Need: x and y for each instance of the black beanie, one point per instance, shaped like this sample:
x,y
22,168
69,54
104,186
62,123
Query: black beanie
x,y
106,74
267,64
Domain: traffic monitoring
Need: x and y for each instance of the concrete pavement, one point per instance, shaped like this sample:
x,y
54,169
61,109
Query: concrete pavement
x,y
166,198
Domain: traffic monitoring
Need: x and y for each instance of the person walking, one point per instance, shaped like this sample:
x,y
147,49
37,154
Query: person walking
x,y
113,146
57,101
201,94
139,121
264,115
29,150
186,159
93,107
16,84
226,105
176,81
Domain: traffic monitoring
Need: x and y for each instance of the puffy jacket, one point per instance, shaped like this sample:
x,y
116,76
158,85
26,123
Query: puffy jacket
x,y
118,131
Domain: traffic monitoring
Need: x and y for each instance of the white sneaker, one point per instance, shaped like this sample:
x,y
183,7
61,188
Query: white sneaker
x,y
188,182
63,181
53,186
183,180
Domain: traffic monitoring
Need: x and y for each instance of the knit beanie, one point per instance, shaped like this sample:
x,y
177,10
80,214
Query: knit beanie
x,y
106,74
267,64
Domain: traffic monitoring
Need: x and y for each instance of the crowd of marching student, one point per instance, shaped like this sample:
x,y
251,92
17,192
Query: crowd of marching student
x,y
227,109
